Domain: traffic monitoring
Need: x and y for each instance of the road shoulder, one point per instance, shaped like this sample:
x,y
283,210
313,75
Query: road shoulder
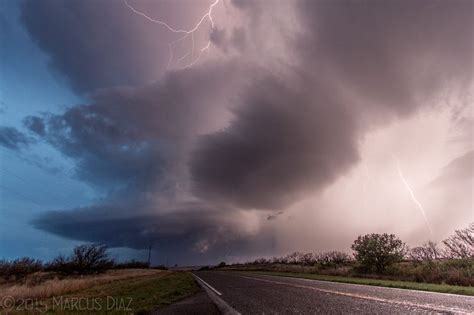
x,y
199,303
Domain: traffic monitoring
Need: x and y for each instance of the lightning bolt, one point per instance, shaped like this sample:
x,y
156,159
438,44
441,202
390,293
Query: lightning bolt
x,y
412,195
184,32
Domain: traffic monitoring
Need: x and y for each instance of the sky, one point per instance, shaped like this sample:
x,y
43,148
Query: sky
x,y
232,129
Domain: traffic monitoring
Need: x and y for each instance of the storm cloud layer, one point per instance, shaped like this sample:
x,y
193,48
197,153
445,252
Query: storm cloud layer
x,y
13,139
282,142
188,159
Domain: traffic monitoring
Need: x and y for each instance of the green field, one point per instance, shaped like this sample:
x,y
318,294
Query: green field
x,y
443,288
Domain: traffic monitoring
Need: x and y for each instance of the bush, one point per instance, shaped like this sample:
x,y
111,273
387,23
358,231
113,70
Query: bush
x,y
378,251
86,259
19,268
332,259
131,264
261,261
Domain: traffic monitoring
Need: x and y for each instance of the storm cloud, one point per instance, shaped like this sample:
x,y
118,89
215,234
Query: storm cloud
x,y
394,55
185,155
100,44
14,139
129,134
282,142
187,228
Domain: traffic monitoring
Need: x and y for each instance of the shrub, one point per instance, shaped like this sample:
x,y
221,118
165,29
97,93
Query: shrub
x,y
131,264
261,261
19,268
85,259
333,259
378,251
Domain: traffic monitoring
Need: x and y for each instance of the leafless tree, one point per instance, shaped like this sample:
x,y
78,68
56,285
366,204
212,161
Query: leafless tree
x,y
308,259
425,253
294,258
461,243
333,258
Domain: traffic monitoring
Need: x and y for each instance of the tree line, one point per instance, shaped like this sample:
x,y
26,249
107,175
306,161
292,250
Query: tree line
x,y
387,256
84,259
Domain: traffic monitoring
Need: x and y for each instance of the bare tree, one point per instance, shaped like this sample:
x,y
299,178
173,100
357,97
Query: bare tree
x,y
425,253
461,243
85,259
308,259
90,258
333,258
294,258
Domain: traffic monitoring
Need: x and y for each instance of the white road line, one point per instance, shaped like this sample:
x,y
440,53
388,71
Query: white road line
x,y
374,286
365,297
208,285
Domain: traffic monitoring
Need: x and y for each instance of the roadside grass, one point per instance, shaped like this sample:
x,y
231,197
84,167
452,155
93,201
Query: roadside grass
x,y
129,296
43,285
441,288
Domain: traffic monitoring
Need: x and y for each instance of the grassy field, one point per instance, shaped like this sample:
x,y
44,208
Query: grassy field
x,y
133,294
42,285
443,288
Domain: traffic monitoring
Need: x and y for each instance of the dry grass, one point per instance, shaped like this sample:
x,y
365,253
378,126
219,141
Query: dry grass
x,y
56,286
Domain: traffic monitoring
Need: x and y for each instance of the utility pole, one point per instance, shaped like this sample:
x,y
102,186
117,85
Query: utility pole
x,y
149,256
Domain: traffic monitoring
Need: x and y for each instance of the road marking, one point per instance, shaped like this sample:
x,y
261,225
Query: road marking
x,y
214,295
208,285
365,297
372,286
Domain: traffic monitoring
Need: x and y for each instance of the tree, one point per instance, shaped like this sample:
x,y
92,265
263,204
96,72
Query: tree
x,y
308,259
90,258
378,251
333,259
19,268
461,244
85,259
294,258
427,252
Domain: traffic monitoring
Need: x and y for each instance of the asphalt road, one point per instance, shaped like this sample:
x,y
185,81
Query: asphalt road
x,y
259,294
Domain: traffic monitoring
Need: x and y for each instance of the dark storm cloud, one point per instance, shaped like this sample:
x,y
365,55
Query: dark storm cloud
x,y
283,142
188,229
99,44
136,134
14,139
393,54
356,66
360,60
132,143
118,225
35,124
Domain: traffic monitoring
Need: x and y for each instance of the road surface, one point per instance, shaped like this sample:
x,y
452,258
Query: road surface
x,y
261,294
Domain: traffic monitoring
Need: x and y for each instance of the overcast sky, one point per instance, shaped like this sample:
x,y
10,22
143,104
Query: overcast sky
x,y
226,130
